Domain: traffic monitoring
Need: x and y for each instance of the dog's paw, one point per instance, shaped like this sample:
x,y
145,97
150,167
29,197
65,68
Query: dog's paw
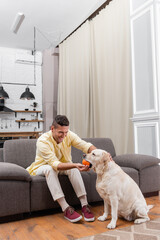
x,y
111,225
141,220
102,218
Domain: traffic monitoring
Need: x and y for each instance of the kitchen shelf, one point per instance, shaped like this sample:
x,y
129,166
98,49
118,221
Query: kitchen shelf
x,y
23,111
20,134
36,120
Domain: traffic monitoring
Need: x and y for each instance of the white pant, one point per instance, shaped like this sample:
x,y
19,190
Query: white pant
x,y
54,184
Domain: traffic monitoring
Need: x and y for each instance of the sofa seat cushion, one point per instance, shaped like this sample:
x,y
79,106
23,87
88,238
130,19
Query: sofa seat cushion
x,y
10,171
137,161
41,198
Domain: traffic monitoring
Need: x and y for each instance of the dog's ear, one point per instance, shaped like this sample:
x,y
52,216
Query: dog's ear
x,y
102,164
105,156
105,159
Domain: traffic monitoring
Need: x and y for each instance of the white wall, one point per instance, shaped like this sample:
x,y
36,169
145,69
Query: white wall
x,y
15,76
145,35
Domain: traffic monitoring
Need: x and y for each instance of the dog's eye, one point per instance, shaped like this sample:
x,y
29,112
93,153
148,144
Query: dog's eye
x,y
93,154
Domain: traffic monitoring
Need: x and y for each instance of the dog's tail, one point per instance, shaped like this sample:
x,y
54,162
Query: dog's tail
x,y
149,207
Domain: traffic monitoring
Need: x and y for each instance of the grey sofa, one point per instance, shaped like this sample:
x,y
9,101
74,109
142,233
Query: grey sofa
x,y
21,193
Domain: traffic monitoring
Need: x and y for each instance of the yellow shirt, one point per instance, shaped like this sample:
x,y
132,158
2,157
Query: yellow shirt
x,y
49,152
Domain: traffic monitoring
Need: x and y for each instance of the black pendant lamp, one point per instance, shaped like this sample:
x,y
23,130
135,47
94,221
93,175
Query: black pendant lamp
x,y
27,94
3,94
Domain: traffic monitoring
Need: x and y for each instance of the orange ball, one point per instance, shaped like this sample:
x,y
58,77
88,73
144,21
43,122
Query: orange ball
x,y
84,162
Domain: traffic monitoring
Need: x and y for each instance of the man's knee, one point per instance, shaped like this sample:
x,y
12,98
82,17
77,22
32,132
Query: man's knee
x,y
49,170
45,170
74,173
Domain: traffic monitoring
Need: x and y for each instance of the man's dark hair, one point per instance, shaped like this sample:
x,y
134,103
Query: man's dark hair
x,y
61,120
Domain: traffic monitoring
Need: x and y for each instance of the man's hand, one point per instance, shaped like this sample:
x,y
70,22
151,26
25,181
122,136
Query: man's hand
x,y
67,166
91,148
110,157
82,167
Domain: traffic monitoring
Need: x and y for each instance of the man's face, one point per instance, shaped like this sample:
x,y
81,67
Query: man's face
x,y
59,133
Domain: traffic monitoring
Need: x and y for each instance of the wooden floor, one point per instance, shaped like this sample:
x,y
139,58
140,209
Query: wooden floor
x,y
55,227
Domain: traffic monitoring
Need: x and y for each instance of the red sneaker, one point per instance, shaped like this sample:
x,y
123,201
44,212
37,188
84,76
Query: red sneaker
x,y
72,215
88,215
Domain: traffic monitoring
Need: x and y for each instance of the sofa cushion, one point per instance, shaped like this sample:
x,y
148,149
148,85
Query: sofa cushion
x,y
41,198
133,173
103,143
21,151
137,161
10,171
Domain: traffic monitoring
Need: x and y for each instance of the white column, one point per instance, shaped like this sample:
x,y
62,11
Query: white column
x,y
50,86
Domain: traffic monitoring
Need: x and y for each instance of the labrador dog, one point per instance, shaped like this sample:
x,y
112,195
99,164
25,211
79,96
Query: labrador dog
x,y
118,190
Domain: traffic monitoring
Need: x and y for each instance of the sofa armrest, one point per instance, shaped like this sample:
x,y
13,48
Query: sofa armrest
x,y
10,171
137,161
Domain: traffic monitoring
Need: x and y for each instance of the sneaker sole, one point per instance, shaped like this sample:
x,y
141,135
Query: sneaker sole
x,y
89,219
74,220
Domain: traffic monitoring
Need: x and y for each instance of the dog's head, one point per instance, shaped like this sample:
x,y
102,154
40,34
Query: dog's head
x,y
99,159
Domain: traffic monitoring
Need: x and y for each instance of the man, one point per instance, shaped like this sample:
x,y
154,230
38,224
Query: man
x,y
53,157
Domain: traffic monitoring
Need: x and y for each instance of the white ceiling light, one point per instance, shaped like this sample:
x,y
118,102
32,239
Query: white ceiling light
x,y
17,22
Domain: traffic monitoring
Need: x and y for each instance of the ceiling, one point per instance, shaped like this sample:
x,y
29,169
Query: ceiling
x,y
53,20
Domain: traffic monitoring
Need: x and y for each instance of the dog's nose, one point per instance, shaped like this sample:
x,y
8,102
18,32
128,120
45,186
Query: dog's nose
x,y
84,155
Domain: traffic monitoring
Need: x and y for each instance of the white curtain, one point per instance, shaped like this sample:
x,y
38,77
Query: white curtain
x,y
73,95
99,85
111,75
